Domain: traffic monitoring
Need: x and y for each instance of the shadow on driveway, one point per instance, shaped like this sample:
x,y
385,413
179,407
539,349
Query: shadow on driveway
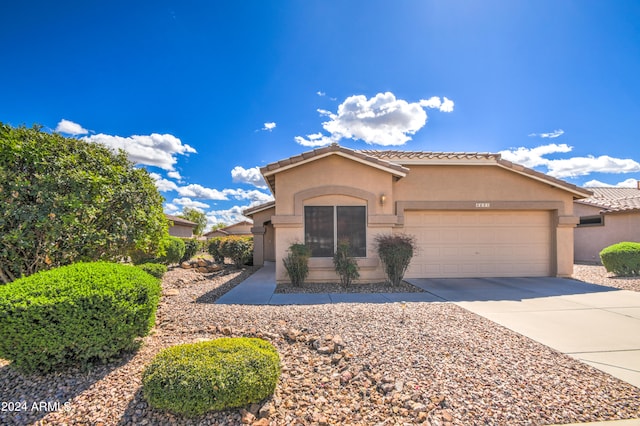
x,y
493,289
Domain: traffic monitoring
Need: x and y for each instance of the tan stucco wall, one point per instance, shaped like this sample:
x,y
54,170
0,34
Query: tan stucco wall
x,y
335,180
181,231
590,240
263,237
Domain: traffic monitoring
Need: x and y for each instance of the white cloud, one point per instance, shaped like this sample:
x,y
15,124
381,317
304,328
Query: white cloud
x,y
581,166
570,167
253,195
447,105
229,216
70,128
269,126
198,191
162,184
171,208
315,139
188,202
251,176
319,93
152,150
533,157
175,175
381,120
550,135
629,183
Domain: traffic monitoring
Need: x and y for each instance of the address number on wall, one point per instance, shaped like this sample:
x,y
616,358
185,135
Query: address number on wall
x,y
483,205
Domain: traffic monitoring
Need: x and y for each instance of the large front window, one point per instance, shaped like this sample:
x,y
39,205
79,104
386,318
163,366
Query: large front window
x,y
324,226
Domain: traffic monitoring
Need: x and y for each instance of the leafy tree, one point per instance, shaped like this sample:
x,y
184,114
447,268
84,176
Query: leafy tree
x,y
65,200
195,216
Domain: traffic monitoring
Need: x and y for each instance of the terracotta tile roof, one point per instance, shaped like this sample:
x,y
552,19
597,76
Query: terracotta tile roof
x,y
393,155
613,200
270,169
416,157
264,206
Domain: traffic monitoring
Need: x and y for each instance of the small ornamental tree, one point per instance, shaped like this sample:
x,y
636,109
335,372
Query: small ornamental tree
x,y
297,263
395,251
345,265
66,200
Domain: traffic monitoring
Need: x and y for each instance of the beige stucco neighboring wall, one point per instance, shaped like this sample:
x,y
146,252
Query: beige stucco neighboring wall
x,y
182,231
616,228
336,180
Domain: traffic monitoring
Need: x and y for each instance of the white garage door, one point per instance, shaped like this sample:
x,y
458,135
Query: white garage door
x,y
480,243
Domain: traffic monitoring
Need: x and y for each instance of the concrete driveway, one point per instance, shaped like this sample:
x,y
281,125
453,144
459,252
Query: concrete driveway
x,y
594,324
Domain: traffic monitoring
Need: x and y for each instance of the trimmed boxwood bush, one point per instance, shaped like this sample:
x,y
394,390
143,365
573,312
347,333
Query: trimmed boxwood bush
x,y
155,269
175,248
237,248
297,263
191,248
194,378
214,249
395,251
75,315
623,259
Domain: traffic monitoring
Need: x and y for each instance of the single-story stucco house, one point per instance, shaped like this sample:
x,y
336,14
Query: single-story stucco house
x,y
609,216
472,214
180,227
240,228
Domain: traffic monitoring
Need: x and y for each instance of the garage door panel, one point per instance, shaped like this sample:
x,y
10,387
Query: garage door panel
x,y
488,243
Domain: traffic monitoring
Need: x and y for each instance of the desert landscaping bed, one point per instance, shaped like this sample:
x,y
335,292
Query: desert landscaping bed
x,y
379,287
361,364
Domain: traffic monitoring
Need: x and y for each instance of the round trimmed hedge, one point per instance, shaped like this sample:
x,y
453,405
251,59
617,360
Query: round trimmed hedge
x,y
75,315
623,259
195,378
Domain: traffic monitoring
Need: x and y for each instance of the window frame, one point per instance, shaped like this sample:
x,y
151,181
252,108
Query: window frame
x,y
335,223
592,220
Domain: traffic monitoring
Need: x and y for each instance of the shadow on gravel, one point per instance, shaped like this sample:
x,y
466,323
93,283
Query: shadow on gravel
x,y
28,398
514,289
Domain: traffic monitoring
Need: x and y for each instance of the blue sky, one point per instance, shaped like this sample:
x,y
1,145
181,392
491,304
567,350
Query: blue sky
x,y
201,93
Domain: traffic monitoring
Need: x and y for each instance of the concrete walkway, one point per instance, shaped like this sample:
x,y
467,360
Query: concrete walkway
x,y
594,324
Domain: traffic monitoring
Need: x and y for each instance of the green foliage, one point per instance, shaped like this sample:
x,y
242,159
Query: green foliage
x,y
192,379
191,248
345,264
297,263
175,249
239,249
155,269
395,252
75,315
214,249
65,200
195,216
623,259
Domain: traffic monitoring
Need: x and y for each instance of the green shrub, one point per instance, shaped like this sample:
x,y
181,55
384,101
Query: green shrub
x,y
214,249
238,249
346,266
623,259
297,263
191,248
175,249
395,252
66,200
155,269
192,379
75,315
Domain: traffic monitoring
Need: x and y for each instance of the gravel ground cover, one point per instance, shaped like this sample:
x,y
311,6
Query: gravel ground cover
x,y
380,287
356,364
596,274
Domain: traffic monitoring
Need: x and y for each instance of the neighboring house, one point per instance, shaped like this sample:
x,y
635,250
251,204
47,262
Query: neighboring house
x,y
473,215
240,228
609,216
180,227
